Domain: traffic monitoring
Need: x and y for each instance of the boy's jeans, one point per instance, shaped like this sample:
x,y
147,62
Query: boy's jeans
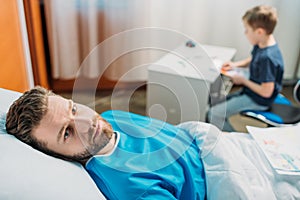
x,y
234,104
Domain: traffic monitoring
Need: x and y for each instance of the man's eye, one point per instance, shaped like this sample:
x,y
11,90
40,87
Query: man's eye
x,y
74,109
67,133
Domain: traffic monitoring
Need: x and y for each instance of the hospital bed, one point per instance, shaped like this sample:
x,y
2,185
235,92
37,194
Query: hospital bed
x,y
235,168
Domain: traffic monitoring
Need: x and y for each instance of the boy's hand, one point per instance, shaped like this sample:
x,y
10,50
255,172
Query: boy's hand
x,y
228,66
237,79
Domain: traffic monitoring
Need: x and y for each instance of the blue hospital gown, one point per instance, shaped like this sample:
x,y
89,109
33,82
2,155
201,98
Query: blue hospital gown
x,y
152,160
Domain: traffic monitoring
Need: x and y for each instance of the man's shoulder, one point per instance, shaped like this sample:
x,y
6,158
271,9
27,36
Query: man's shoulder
x,y
116,114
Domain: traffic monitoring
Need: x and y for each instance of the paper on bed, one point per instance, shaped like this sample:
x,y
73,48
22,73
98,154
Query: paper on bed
x,y
281,146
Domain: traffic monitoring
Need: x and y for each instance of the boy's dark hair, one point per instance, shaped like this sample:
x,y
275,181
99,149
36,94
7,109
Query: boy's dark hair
x,y
262,16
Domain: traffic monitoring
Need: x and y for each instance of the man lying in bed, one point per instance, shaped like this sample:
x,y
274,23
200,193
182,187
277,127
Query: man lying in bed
x,y
131,156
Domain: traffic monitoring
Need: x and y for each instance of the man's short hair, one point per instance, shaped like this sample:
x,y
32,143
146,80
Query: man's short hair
x,y
262,16
25,114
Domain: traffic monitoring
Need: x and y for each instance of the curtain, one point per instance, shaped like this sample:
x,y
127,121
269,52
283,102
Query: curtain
x,y
119,39
84,34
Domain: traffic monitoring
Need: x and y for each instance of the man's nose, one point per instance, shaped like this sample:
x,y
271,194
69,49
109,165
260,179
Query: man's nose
x,y
83,124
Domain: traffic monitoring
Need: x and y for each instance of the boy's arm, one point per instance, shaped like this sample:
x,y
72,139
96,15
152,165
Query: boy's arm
x,y
241,63
265,89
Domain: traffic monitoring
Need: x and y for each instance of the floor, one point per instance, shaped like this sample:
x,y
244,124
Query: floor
x,y
135,101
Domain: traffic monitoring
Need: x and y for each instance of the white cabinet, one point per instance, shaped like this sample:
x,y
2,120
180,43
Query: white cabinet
x,y
180,83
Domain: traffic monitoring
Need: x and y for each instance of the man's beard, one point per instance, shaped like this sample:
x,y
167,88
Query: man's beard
x,y
94,147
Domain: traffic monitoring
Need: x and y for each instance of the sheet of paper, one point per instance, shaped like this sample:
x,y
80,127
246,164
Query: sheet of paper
x,y
281,147
239,71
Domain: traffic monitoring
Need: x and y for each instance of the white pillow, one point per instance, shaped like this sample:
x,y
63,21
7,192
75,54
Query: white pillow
x,y
28,174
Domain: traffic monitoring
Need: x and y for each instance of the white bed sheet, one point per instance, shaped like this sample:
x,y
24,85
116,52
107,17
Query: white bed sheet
x,y
7,97
236,168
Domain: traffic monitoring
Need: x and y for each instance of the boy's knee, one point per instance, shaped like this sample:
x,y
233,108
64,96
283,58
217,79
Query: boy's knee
x,y
217,110
208,116
212,113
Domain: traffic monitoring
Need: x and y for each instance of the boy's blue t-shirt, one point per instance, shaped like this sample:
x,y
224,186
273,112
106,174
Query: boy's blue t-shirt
x,y
152,160
266,66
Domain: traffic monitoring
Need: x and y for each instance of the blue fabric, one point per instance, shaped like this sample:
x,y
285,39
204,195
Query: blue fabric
x,y
280,99
268,115
153,160
266,66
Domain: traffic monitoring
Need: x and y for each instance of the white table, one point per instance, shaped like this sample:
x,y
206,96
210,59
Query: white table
x,y
180,83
